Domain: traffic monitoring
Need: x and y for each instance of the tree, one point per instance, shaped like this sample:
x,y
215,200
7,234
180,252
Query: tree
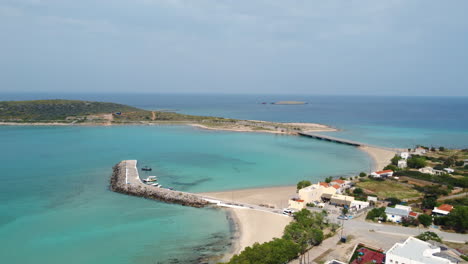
x,y
328,179
425,220
458,219
277,251
362,174
416,162
303,184
395,159
459,163
429,202
376,213
358,191
433,149
393,201
391,167
345,210
429,236
441,148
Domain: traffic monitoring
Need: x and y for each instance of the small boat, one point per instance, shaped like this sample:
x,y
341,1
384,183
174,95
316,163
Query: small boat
x,y
150,179
146,168
156,185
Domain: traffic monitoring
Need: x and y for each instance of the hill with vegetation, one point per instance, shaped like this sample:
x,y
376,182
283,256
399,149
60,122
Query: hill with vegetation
x,y
56,110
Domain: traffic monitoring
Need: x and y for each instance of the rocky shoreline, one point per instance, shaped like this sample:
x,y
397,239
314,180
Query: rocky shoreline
x,y
121,183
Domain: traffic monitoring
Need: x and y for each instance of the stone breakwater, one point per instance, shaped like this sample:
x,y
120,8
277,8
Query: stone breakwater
x,y
125,179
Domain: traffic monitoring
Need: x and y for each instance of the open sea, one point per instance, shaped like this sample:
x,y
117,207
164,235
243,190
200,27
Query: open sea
x,y
55,206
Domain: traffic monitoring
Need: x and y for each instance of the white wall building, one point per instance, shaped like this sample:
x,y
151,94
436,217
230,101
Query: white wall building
x,y
415,251
314,192
431,171
398,213
404,155
449,170
381,174
402,164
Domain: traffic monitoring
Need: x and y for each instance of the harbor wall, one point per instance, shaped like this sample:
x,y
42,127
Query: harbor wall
x,y
121,182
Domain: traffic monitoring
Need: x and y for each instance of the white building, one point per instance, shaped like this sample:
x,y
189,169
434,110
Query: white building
x,y
465,162
419,151
341,200
444,209
432,171
358,205
314,192
415,251
381,174
449,170
404,155
398,213
372,199
402,164
296,203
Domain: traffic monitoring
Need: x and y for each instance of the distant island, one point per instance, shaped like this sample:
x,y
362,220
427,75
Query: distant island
x,y
289,103
76,112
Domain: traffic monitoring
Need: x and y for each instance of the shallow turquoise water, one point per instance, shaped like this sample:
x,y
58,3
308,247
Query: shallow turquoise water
x,y
55,206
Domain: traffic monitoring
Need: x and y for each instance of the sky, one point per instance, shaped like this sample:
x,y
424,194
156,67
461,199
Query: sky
x,y
365,47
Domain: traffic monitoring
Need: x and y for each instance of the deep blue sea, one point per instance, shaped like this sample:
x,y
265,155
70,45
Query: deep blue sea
x,y
55,206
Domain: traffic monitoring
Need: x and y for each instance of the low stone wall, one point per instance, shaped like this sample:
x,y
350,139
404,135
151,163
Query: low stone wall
x,y
137,188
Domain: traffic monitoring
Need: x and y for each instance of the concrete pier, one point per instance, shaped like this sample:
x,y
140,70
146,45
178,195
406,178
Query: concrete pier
x,y
125,179
333,139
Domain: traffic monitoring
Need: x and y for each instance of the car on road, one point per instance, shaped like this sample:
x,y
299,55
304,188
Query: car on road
x,y
343,217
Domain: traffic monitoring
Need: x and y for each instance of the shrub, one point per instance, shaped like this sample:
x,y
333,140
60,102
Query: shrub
x,y
416,162
428,235
459,163
376,213
425,220
277,251
303,184
358,191
362,174
393,201
441,148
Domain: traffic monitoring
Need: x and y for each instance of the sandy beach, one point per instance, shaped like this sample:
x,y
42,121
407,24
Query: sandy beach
x,y
256,226
381,157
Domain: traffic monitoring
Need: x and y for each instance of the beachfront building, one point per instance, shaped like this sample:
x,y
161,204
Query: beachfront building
x,y
296,203
382,174
404,155
415,251
444,209
315,192
419,151
341,200
397,214
402,164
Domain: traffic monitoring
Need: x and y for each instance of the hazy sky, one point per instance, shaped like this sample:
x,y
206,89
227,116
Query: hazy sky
x,y
376,47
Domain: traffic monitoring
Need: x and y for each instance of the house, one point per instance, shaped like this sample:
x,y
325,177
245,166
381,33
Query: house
x,y
342,183
296,203
341,200
358,205
402,164
465,162
315,192
404,155
381,174
449,170
398,213
372,199
419,151
415,251
432,171
444,209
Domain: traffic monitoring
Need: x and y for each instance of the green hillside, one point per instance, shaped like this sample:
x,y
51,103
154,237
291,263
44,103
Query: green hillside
x,y
57,110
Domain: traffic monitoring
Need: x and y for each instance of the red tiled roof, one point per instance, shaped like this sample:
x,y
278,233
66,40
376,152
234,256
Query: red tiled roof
x,y
413,214
301,201
336,186
339,181
324,184
445,207
384,171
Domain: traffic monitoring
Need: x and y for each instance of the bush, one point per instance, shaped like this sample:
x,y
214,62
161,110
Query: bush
x,y
376,213
416,162
303,184
393,201
409,221
277,251
391,167
459,163
362,174
395,159
358,191
429,236
441,149
425,220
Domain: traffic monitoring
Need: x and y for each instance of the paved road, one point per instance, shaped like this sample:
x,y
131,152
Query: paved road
x,y
364,226
460,195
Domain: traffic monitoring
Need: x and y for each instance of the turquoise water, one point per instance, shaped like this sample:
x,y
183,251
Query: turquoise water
x,y
55,206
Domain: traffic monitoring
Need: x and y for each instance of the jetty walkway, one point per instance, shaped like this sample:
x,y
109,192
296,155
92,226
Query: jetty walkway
x,y
126,179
